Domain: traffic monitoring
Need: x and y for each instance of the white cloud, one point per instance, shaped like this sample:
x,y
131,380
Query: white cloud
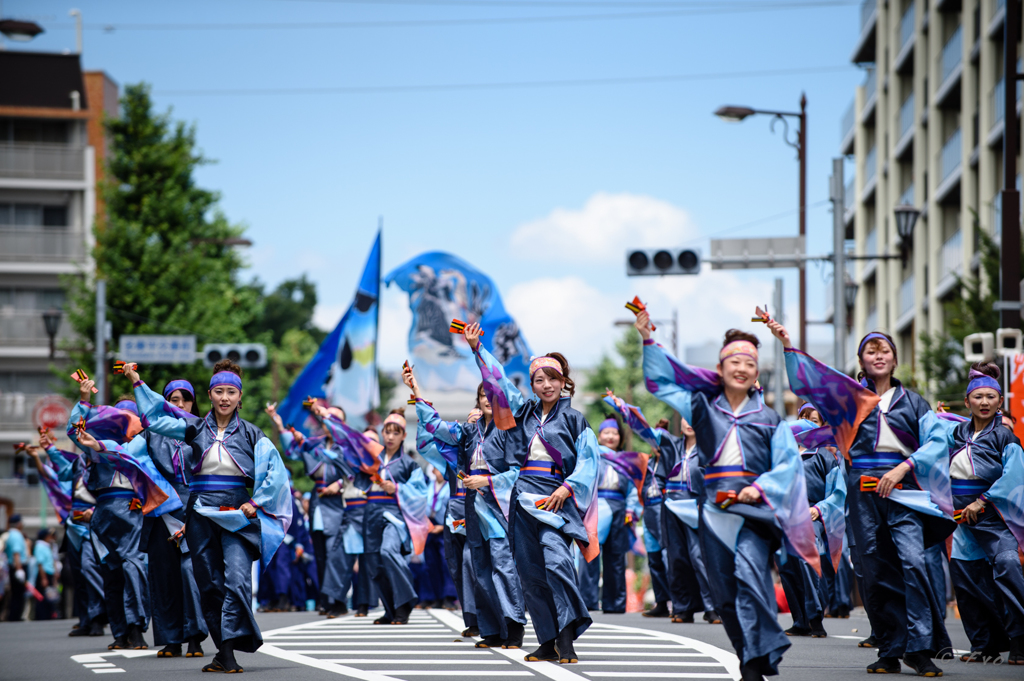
x,y
605,227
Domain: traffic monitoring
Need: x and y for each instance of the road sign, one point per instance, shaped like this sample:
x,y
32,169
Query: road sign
x,y
51,412
158,349
742,254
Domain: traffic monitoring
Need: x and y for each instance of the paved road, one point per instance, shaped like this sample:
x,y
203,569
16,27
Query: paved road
x,y
303,646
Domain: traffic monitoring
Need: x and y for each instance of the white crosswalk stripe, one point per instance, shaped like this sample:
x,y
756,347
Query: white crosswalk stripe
x,y
430,646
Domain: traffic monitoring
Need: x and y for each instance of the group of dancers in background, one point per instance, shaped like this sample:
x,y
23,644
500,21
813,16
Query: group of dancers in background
x,y
166,510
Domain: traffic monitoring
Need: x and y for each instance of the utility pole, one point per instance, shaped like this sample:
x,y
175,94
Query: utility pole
x,y
1009,295
837,194
100,375
780,361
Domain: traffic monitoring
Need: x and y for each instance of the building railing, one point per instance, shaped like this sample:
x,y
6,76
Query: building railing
x,y
42,161
871,323
870,163
907,115
998,98
952,255
846,126
952,53
870,86
907,295
849,195
907,26
871,243
907,197
40,244
999,4
26,328
866,9
16,410
951,155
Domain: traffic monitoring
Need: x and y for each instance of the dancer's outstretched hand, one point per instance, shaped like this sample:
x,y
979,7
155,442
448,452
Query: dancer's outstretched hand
x,y
472,333
779,331
643,324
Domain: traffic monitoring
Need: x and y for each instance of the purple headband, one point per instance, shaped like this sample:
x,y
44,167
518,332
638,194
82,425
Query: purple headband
x,y
980,380
226,378
179,384
874,335
608,423
127,405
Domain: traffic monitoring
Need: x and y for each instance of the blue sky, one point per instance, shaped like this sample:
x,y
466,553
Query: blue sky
x,y
541,187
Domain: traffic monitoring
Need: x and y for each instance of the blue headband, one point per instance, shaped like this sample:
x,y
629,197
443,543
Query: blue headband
x,y
179,384
873,336
226,378
127,405
608,423
980,380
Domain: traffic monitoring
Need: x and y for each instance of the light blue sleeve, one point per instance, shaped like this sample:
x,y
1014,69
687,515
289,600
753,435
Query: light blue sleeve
x,y
633,504
158,415
501,487
583,480
931,462
271,496
671,381
449,432
62,466
78,412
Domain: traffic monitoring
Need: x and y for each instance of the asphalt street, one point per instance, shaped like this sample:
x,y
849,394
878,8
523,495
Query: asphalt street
x,y
304,646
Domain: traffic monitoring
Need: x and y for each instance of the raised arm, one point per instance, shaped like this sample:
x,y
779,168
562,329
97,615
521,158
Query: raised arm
x,y
635,419
160,416
507,401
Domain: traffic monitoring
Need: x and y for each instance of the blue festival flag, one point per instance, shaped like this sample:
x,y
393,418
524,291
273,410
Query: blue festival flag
x,y
443,288
344,370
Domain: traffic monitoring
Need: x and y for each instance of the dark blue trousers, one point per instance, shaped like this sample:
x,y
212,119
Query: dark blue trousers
x,y
89,604
174,595
125,586
337,570
389,570
656,559
222,563
460,568
687,576
905,614
611,565
801,584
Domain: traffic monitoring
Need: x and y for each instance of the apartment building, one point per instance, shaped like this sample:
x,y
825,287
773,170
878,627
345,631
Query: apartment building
x,y
52,149
924,129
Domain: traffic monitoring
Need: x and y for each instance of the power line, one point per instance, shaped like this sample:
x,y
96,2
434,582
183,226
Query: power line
x,y
428,23
759,221
509,85
631,4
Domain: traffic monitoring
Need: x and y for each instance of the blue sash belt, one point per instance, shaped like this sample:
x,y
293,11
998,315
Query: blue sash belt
x,y
675,486
480,471
212,483
79,505
114,493
715,472
610,494
542,469
963,488
381,498
877,460
460,494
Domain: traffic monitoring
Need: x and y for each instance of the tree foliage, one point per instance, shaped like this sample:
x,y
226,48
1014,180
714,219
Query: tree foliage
x,y
625,377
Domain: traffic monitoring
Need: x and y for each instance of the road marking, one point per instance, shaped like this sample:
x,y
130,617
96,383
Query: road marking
x,y
98,663
353,648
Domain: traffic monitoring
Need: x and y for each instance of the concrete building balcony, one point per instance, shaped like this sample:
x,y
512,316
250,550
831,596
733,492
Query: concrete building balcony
x,y
25,329
870,175
871,323
907,197
951,256
42,161
995,24
864,51
16,411
906,306
951,66
846,131
997,98
870,248
950,162
904,56
849,201
40,244
867,112
905,141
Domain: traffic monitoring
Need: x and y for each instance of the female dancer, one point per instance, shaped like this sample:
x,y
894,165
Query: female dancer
x,y
987,470
553,460
226,528
618,504
174,594
116,524
826,499
684,487
755,495
654,542
477,451
885,432
386,532
325,463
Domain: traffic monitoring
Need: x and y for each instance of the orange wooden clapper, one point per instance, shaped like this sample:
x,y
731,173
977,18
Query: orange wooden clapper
x,y
959,517
80,376
135,505
636,306
870,484
725,499
458,326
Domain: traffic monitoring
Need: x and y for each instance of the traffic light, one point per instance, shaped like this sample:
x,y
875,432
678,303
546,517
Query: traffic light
x,y
245,355
656,261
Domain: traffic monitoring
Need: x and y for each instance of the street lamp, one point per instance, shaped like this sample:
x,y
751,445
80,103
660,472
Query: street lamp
x,y
20,31
735,114
906,217
51,320
850,293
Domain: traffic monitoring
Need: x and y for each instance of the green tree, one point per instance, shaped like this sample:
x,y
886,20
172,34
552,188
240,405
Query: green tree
x,y
289,306
942,357
625,377
162,245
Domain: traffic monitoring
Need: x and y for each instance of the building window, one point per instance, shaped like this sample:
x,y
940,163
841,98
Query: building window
x,y
33,215
33,131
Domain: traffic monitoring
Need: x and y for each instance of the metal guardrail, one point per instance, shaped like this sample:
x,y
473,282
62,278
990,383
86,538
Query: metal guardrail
x,y
907,295
846,125
952,255
26,328
41,244
870,165
951,155
866,9
907,115
42,161
907,26
907,197
952,53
